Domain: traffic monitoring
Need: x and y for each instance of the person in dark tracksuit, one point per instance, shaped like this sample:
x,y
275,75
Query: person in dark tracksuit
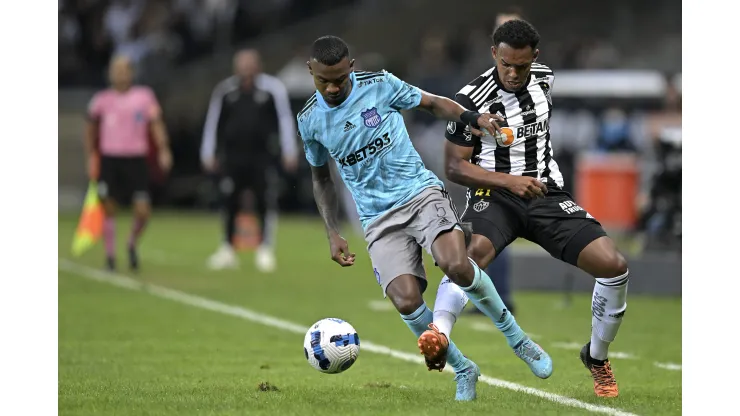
x,y
246,113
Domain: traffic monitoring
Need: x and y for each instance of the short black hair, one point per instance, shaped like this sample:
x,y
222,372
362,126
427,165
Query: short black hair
x,y
516,33
329,50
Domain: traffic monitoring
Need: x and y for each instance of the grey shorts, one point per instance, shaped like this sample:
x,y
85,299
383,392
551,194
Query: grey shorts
x,y
396,238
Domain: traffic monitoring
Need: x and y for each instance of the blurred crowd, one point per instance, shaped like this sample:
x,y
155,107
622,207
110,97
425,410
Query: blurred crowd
x,y
159,33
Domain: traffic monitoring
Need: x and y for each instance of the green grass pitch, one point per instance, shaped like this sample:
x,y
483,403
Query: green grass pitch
x,y
137,352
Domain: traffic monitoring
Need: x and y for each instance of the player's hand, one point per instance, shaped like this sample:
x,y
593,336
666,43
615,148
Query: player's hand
x,y
210,165
340,250
526,187
165,160
290,164
488,124
93,167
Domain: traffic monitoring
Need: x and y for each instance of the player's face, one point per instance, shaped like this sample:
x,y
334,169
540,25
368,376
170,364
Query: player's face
x,y
513,65
332,81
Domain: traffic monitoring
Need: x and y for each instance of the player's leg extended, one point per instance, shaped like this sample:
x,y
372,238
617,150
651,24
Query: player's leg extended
x,y
405,294
449,251
397,263
479,288
601,259
569,233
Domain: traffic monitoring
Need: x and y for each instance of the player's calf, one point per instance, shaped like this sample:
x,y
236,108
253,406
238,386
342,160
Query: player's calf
x,y
601,259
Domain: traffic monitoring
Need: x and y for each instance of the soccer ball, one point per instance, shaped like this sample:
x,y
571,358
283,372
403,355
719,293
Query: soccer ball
x,y
331,345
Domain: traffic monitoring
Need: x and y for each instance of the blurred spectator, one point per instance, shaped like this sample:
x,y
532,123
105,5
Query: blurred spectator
x,y
246,112
614,131
433,70
661,210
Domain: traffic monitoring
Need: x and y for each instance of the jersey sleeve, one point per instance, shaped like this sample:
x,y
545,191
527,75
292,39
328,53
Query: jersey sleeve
x,y
153,110
316,153
458,132
95,108
403,96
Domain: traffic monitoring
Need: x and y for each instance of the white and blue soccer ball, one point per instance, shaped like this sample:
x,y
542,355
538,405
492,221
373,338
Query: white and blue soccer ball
x,y
331,345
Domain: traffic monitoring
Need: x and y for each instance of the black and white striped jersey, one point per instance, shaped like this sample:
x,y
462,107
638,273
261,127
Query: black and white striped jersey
x,y
524,147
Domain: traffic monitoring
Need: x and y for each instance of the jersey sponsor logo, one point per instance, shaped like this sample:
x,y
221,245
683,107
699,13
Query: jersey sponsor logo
x,y
570,207
365,151
370,82
509,134
371,117
528,110
495,100
480,206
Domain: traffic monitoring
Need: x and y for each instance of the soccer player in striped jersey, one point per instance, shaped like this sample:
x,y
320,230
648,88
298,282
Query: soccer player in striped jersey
x,y
516,189
355,119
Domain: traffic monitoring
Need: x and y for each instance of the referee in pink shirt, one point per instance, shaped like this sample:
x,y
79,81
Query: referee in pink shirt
x,y
120,120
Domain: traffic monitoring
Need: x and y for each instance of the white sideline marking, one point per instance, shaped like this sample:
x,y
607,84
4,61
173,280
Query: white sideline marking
x,y
199,302
669,366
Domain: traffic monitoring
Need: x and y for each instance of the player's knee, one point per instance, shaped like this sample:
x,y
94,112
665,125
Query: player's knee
x,y
459,270
614,264
405,294
406,305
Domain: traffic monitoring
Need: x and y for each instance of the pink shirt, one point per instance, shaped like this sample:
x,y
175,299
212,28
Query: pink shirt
x,y
124,120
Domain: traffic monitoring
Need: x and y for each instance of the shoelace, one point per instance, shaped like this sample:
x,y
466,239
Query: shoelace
x,y
527,350
603,375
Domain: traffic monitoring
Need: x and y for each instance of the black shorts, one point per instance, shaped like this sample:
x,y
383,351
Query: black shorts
x,y
124,178
237,178
555,222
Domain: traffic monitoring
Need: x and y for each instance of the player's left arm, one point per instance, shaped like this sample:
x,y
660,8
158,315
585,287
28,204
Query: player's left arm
x,y
158,130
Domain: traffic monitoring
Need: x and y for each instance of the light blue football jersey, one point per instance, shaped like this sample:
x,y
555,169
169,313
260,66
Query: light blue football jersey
x,y
367,138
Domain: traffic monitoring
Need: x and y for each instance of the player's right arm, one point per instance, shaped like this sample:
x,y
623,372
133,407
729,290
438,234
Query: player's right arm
x,y
459,169
325,195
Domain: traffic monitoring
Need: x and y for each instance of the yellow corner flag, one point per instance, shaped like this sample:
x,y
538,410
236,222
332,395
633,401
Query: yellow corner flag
x,y
90,227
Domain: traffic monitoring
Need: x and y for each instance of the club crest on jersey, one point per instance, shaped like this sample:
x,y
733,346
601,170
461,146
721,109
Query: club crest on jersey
x,y
480,205
451,125
371,117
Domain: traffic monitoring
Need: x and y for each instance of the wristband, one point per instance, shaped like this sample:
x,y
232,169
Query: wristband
x,y
470,117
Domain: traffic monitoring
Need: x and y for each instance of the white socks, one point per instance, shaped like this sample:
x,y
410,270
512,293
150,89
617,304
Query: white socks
x,y
451,301
609,302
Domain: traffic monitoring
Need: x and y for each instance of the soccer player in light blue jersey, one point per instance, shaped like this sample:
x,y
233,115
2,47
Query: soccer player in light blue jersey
x,y
354,118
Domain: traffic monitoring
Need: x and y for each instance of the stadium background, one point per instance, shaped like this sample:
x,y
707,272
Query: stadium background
x,y
618,69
